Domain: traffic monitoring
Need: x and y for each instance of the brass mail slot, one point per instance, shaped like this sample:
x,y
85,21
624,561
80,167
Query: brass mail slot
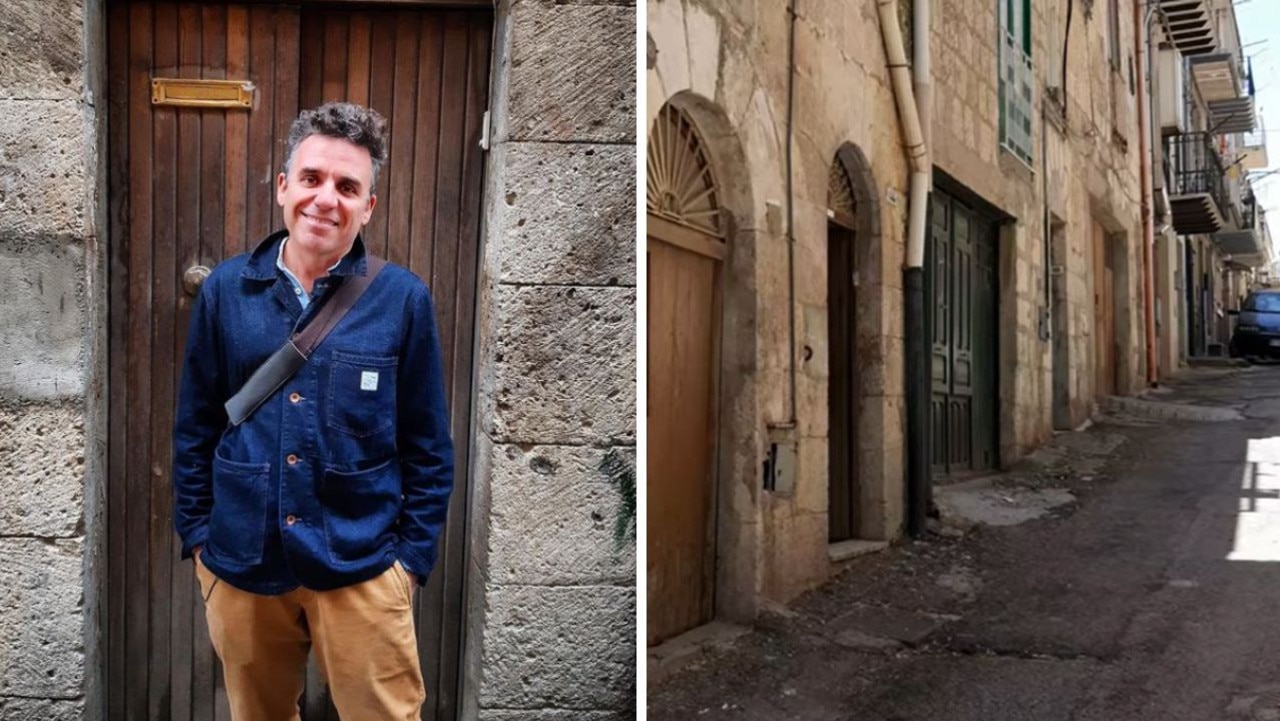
x,y
195,93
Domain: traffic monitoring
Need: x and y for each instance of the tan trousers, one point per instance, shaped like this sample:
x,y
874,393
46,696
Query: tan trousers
x,y
362,635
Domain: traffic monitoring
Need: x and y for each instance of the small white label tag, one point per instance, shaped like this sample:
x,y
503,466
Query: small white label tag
x,y
369,380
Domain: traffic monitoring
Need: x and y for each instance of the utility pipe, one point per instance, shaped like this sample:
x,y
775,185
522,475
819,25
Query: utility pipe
x,y
913,272
1148,212
792,412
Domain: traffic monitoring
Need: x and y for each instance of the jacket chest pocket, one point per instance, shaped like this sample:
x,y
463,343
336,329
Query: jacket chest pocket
x,y
362,393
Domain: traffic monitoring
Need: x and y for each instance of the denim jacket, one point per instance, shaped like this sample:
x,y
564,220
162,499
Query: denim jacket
x,y
345,469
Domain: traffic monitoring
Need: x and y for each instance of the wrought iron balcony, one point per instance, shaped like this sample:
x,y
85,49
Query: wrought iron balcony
x,y
1196,189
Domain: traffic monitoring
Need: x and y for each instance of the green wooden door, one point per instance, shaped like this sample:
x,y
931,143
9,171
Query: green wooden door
x,y
961,285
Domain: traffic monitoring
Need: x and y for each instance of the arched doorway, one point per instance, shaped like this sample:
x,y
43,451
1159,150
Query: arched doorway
x,y
686,249
844,387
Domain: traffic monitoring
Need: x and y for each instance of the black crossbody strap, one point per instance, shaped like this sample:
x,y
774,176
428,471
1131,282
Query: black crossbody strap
x,y
286,361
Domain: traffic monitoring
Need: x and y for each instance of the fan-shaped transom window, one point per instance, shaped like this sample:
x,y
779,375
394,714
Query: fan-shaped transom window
x,y
681,186
841,205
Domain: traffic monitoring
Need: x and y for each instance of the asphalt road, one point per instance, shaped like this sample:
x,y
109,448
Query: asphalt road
x,y
1156,595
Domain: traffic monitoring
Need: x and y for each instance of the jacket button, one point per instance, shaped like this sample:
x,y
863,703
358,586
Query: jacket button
x,y
291,459
294,397
291,519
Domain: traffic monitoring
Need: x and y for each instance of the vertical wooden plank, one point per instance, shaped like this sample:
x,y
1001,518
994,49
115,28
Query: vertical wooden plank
x,y
137,471
213,131
467,268
334,50
442,280
453,101
177,43
838,283
119,75
235,239
382,58
260,184
403,134
288,29
426,149
311,62
358,59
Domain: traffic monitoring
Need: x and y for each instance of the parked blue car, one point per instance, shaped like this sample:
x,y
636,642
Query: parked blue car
x,y
1257,331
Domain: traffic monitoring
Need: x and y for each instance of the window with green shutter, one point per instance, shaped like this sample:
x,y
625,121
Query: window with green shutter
x,y
1015,78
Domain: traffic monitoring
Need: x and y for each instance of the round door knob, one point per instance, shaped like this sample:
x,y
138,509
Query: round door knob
x,y
193,278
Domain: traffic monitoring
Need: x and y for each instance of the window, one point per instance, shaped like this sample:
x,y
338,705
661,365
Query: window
x,y
1015,78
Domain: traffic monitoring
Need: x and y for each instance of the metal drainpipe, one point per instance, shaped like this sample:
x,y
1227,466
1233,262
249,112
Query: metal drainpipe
x,y
1148,219
913,273
792,414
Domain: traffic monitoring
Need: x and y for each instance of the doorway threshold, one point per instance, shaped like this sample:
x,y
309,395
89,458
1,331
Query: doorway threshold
x,y
674,654
847,550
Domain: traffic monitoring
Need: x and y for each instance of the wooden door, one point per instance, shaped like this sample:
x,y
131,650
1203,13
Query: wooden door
x,y
962,285
193,186
1103,313
683,325
842,391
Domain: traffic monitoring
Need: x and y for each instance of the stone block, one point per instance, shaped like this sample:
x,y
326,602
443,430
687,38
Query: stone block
x,y
42,50
560,366
42,327
572,73
43,168
815,345
41,618
812,494
570,647
562,515
42,465
28,709
569,214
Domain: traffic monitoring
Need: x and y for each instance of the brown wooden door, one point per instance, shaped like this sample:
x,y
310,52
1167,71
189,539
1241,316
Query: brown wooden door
x,y
194,186
843,521
681,481
1104,313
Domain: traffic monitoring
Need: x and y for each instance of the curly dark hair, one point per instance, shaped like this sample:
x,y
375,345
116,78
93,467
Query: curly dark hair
x,y
363,126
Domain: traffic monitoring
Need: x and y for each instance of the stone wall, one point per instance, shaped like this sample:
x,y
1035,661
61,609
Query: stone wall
x,y
51,355
724,63
1089,172
552,603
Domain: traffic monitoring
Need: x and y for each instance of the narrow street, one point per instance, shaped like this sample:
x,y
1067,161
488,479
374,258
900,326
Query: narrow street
x,y
1148,589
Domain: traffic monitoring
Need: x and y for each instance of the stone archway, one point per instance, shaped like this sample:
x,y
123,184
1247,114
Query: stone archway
x,y
856,362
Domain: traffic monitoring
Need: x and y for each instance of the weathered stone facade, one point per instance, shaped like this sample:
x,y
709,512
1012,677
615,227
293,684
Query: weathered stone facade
x,y
1088,173
725,64
52,362
550,625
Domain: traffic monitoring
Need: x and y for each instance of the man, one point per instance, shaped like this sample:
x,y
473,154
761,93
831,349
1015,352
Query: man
x,y
312,519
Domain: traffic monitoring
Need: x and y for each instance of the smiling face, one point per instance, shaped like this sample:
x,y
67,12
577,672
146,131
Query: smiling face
x,y
327,197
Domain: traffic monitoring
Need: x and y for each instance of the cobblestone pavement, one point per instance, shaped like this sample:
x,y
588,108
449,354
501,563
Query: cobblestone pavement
x,y
1147,589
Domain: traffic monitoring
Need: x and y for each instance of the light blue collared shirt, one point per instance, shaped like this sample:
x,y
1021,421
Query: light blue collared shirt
x,y
303,296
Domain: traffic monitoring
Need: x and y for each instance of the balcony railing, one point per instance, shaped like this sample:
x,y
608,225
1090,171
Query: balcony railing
x,y
1015,98
1196,189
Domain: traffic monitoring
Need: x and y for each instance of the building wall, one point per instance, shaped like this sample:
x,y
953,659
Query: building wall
x,y
722,61
1084,169
551,605
725,64
52,450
